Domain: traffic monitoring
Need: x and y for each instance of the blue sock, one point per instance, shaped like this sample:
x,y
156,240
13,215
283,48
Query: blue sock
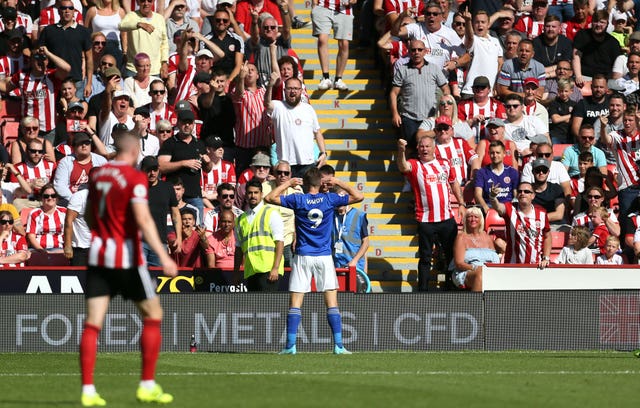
x,y
293,321
335,322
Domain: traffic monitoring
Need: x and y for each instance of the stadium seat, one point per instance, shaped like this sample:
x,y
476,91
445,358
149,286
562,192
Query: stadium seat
x,y
9,129
559,239
24,216
558,150
493,221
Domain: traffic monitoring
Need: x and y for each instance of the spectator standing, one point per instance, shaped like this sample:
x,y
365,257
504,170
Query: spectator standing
x,y
259,242
231,45
336,15
221,171
72,43
620,64
350,237
495,174
551,46
185,157
514,71
522,128
532,25
218,114
313,250
412,98
138,85
528,231
116,106
589,109
104,17
77,236
247,10
116,250
581,19
296,127
480,107
226,198
430,180
178,20
146,32
158,109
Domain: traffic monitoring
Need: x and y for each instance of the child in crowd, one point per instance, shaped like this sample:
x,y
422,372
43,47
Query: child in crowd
x,y
598,239
585,160
577,252
560,113
611,255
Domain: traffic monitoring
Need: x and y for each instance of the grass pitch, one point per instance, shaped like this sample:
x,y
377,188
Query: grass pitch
x,y
467,379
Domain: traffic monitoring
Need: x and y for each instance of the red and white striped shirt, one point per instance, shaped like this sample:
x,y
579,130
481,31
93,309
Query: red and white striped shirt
x,y
22,20
65,149
222,172
164,113
583,219
245,176
531,28
14,243
50,16
48,228
253,126
116,242
10,66
398,6
493,108
336,5
459,155
525,234
626,148
430,184
184,80
30,172
39,97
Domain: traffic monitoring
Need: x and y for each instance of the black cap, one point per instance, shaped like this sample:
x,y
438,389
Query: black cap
x,y
201,77
142,111
14,34
10,13
119,127
80,137
149,163
214,142
184,115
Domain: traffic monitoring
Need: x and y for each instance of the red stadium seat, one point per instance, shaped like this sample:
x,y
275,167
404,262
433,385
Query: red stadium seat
x,y
9,131
559,239
493,221
24,215
558,150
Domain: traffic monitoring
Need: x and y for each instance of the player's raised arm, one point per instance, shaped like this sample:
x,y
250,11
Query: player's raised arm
x,y
355,196
274,196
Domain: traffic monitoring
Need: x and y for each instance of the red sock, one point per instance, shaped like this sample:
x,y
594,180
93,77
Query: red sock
x,y
88,351
150,342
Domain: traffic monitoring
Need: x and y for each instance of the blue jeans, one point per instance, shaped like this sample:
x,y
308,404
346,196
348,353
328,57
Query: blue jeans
x,y
563,11
625,200
152,258
196,202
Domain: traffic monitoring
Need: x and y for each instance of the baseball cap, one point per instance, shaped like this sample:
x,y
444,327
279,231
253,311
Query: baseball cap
x,y
149,163
635,36
261,159
9,13
186,115
540,162
214,142
617,15
495,122
111,71
539,138
204,53
142,111
119,93
481,81
229,2
531,81
119,127
81,137
75,105
178,33
443,120
201,77
14,34
183,105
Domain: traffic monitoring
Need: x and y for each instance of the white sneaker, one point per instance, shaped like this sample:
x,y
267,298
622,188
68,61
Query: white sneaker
x,y
325,84
340,86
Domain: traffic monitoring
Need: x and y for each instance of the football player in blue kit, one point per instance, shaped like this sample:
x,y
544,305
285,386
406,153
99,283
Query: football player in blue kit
x,y
313,255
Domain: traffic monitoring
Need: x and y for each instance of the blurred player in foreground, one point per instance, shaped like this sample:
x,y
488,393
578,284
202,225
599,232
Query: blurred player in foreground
x,y
118,195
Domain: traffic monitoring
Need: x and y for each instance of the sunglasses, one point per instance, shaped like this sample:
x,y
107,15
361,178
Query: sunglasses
x,y
36,151
83,143
543,170
227,196
48,196
444,103
458,23
31,128
99,43
157,92
269,27
165,131
595,197
588,137
525,192
283,173
512,106
65,8
543,155
107,64
5,222
478,88
442,128
416,49
432,14
222,20
262,167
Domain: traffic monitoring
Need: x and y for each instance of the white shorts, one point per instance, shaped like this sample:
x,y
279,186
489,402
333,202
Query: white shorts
x,y
320,267
324,20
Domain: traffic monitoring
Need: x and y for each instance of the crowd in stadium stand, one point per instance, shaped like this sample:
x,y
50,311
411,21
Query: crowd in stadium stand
x,y
526,109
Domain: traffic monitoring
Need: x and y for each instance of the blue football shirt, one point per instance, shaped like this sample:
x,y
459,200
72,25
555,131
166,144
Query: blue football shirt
x,y
314,220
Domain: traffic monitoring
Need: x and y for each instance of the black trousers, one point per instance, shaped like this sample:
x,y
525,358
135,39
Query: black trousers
x,y
444,234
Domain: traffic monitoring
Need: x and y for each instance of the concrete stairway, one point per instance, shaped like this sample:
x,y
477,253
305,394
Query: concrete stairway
x,y
361,144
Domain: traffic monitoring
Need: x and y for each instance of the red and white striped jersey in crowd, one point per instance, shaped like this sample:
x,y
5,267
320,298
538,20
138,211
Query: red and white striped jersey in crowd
x,y
184,80
30,172
531,28
627,152
336,5
50,16
14,243
10,66
430,184
165,113
22,20
493,108
245,176
38,96
48,228
398,6
65,149
583,219
252,124
559,2
459,155
211,217
116,242
222,172
525,234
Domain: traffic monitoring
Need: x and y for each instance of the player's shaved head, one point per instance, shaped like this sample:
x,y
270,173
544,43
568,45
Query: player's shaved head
x,y
126,142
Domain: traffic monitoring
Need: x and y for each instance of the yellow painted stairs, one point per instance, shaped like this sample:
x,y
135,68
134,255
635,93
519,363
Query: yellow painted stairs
x,y
361,145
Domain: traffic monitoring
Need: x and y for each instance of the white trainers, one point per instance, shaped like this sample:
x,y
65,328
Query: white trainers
x,y
325,84
340,86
